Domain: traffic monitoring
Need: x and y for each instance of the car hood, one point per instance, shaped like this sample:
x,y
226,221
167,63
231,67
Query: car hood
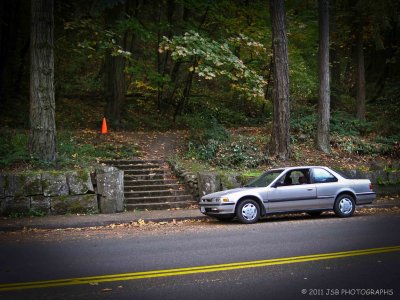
x,y
224,193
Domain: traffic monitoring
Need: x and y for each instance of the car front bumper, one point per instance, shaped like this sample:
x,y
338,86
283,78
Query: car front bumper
x,y
217,208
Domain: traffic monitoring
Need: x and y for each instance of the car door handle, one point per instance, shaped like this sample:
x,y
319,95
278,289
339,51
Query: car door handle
x,y
310,189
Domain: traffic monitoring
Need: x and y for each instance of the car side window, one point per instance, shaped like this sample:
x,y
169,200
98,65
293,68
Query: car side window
x,y
299,176
323,176
295,177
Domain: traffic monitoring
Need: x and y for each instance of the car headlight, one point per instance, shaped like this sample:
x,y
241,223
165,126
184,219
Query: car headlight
x,y
222,199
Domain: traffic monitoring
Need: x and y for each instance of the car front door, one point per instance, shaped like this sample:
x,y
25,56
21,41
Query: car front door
x,y
293,191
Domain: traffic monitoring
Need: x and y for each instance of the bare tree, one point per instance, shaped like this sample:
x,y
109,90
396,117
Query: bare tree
x,y
280,138
42,138
322,140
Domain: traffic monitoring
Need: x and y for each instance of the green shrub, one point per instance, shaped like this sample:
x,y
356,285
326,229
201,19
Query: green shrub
x,y
13,147
243,152
357,145
304,124
343,123
239,154
204,128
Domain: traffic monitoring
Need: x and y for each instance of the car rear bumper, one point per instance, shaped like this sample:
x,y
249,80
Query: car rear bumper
x,y
365,198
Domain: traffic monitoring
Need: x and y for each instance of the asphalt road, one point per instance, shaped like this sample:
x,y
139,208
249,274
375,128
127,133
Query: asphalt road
x,y
186,255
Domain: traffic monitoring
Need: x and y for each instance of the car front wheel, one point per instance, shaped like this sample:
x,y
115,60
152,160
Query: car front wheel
x,y
344,206
248,211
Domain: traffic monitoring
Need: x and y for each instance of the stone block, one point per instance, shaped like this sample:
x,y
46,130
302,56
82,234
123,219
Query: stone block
x,y
40,204
74,204
32,184
54,184
110,187
107,205
12,185
364,174
394,177
16,204
22,184
79,182
190,177
230,181
208,182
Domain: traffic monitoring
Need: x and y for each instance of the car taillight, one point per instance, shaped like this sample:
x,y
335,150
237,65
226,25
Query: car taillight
x,y
370,186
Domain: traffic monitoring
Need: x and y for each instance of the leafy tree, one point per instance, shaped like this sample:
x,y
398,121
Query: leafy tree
x,y
213,59
42,139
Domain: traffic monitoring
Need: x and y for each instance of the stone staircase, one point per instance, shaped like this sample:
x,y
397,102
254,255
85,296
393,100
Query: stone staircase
x,y
150,184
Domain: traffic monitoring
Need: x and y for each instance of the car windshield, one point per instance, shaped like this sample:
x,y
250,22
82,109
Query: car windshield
x,y
265,179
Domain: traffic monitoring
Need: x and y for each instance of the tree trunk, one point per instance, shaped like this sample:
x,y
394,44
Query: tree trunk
x,y
360,72
115,76
42,137
322,141
116,87
280,139
336,80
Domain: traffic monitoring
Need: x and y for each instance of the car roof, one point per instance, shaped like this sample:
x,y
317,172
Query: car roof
x,y
299,167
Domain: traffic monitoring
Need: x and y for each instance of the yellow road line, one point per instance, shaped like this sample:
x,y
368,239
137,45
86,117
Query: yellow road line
x,y
192,270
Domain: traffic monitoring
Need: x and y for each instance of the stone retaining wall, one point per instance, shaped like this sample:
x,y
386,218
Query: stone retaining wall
x,y
62,192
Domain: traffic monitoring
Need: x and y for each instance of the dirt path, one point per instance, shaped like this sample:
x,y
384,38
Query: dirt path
x,y
157,145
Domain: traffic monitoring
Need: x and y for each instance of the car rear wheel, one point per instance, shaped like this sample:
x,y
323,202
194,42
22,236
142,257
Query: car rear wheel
x,y
344,206
248,211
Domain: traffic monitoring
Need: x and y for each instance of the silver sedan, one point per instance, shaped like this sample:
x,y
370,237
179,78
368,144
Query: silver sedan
x,y
311,189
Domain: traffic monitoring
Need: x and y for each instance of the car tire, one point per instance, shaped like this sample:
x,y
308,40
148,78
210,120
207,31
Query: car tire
x,y
344,206
248,211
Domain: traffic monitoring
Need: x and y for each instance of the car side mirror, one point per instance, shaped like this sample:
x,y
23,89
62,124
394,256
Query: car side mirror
x,y
277,184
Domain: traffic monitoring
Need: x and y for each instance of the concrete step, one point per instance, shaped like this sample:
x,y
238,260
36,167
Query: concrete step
x,y
158,199
150,184
161,205
139,167
137,182
148,172
116,163
129,177
167,186
156,193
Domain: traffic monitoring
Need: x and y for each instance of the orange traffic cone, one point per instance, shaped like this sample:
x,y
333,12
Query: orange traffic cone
x,y
104,127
